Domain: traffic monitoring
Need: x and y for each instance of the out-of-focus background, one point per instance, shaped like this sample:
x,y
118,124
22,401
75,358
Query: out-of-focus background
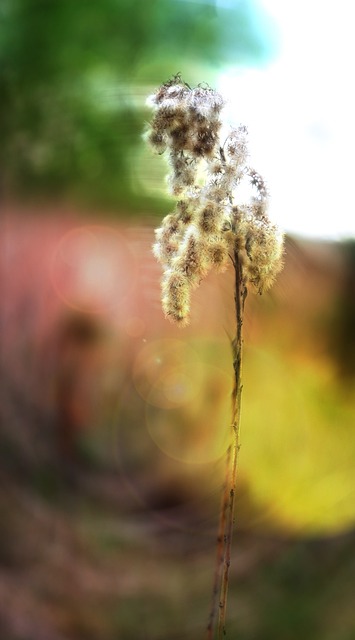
x,y
114,423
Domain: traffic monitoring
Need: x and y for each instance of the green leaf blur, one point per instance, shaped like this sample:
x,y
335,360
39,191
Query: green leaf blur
x,y
73,76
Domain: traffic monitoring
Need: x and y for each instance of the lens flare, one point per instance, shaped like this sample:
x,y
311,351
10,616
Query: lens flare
x,y
167,372
92,268
197,429
135,327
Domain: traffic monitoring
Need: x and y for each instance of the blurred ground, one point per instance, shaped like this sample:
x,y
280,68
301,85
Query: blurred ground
x,y
113,431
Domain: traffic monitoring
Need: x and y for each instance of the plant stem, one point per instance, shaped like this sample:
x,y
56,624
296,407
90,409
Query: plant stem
x,y
240,294
221,539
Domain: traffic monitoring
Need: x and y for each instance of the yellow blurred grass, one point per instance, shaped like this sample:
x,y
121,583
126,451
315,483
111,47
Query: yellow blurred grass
x,y
298,442
297,435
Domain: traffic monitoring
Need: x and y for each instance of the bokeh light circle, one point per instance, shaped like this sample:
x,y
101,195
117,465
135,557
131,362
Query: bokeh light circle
x,y
92,268
197,430
166,372
135,326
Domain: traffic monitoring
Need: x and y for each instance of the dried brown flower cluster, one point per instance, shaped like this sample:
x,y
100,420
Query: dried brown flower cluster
x,y
208,224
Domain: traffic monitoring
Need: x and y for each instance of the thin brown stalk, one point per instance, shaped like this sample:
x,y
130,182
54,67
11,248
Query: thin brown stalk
x,y
237,346
221,540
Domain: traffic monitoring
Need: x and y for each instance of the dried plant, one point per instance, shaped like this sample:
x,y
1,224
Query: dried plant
x,y
208,228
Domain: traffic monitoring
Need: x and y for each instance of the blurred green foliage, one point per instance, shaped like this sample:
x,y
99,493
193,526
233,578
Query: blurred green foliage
x,y
73,76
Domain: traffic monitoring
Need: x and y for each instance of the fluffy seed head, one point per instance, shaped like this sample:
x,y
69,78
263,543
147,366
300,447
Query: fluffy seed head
x,y
176,296
208,223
